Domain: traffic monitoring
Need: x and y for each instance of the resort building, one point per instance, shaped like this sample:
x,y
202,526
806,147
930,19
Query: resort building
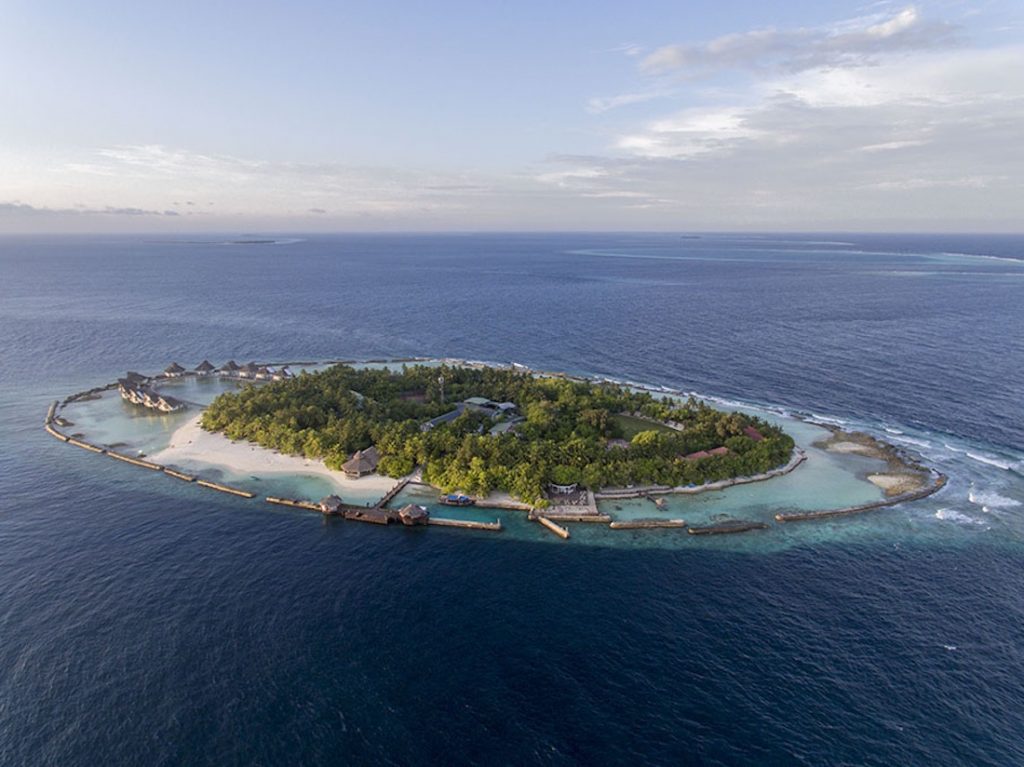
x,y
281,373
753,433
229,368
723,450
204,368
492,408
248,371
174,370
412,514
331,504
362,462
136,392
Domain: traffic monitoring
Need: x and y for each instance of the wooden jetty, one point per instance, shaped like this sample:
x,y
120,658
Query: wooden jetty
x,y
465,523
916,495
722,528
373,514
390,495
224,488
639,524
558,530
294,503
658,502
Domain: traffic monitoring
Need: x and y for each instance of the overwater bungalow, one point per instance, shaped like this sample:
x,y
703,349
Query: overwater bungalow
x,y
248,371
362,462
332,504
412,514
281,373
204,368
229,368
263,373
174,370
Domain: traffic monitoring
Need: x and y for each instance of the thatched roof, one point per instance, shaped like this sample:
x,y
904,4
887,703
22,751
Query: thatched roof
x,y
362,462
230,365
331,503
412,514
174,367
204,366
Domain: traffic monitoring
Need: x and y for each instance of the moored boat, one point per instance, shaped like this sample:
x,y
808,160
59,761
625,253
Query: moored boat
x,y
456,499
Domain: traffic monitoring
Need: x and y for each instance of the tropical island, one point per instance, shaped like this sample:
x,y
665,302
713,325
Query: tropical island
x,y
389,435
478,430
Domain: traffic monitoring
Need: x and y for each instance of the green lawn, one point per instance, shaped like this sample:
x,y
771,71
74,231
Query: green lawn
x,y
632,426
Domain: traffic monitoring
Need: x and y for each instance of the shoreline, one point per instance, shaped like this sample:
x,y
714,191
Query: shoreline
x,y
191,445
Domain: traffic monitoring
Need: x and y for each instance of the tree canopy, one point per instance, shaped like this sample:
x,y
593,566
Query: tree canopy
x,y
565,433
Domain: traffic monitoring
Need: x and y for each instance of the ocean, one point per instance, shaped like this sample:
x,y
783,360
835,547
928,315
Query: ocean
x,y
147,622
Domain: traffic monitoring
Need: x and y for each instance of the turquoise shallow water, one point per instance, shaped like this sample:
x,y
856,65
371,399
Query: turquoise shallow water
x,y
146,621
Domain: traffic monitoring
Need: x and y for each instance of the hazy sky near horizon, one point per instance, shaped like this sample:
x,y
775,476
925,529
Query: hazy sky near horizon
x,y
448,115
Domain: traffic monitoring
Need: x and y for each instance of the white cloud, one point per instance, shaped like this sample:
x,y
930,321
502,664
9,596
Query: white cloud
x,y
852,42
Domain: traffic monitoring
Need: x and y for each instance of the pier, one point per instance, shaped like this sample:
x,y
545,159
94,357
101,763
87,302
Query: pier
x,y
561,532
294,503
389,496
465,523
641,524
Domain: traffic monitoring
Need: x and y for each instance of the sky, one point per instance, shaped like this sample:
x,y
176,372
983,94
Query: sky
x,y
733,115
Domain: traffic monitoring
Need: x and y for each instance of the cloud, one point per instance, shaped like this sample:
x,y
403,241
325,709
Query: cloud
x,y
600,104
24,209
855,42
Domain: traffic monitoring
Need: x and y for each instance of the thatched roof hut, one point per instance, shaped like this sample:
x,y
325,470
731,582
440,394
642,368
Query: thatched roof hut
x,y
230,367
412,514
174,369
204,367
331,504
362,462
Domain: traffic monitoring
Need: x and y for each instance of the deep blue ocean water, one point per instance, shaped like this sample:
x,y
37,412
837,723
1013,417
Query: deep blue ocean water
x,y
150,623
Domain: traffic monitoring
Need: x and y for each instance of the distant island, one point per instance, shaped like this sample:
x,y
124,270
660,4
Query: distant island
x,y
478,430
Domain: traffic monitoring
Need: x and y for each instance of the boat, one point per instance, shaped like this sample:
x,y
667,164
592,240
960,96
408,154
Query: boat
x,y
456,499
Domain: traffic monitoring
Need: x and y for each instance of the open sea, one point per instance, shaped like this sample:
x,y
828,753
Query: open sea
x,y
147,622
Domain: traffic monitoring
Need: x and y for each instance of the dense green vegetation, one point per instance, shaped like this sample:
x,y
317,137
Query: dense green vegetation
x,y
563,437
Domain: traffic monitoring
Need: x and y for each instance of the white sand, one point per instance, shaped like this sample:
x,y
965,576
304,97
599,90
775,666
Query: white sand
x,y
191,445
852,447
896,484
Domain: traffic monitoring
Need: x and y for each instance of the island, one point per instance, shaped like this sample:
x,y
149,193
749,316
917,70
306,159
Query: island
x,y
477,430
477,436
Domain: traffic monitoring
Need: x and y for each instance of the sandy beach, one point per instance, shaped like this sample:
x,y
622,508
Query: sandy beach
x,y
192,447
